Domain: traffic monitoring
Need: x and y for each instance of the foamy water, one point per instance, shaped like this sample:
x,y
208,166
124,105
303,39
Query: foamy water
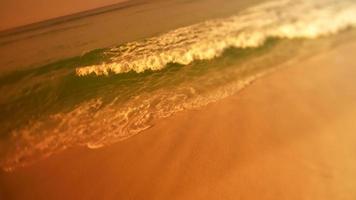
x,y
70,104
280,19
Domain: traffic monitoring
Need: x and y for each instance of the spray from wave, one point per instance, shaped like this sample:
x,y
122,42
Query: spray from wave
x,y
279,19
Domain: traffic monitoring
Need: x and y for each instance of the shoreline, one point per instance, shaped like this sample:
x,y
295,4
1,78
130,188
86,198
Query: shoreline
x,y
289,135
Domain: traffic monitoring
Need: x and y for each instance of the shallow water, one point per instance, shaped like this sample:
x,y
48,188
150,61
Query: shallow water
x,y
111,94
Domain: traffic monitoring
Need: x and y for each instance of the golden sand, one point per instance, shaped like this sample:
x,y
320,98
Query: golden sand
x,y
290,135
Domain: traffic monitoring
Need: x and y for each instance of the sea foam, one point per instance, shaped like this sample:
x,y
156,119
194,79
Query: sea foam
x,y
98,122
251,28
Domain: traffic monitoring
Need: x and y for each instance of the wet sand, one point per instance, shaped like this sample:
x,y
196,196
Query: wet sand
x,y
289,135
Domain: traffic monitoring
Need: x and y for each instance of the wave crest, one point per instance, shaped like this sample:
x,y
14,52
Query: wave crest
x,y
207,40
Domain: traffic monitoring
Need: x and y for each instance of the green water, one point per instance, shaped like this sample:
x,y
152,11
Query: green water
x,y
54,88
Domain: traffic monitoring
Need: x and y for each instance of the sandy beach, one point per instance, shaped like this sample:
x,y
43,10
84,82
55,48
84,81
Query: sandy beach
x,y
289,135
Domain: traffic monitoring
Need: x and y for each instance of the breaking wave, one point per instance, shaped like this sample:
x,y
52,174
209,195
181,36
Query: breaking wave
x,y
57,109
279,19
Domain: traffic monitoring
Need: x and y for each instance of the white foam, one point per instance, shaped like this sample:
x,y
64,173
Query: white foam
x,y
204,41
96,124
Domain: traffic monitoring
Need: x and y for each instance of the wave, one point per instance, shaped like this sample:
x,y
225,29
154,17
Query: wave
x,y
135,103
54,109
95,124
204,41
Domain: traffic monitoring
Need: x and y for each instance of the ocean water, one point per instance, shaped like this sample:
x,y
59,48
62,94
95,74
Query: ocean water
x,y
107,95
